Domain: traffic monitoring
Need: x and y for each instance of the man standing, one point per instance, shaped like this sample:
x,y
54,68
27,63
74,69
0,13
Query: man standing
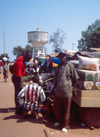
x,y
65,80
18,76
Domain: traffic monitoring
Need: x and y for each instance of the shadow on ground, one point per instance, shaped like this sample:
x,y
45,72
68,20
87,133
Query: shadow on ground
x,y
18,117
75,121
6,110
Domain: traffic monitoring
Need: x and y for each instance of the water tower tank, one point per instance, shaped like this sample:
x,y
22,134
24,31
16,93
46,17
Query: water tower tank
x,y
38,39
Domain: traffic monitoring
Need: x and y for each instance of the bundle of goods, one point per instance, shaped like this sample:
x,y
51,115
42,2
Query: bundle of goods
x,y
89,73
45,108
88,94
74,62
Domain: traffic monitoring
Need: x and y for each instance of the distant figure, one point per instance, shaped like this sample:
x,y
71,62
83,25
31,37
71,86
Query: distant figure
x,y
18,76
37,65
1,65
48,65
37,62
5,68
33,95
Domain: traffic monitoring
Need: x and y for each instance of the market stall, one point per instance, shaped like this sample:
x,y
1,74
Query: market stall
x,y
88,92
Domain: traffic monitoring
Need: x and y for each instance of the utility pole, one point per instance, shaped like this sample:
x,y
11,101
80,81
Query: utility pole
x,y
4,41
73,46
38,22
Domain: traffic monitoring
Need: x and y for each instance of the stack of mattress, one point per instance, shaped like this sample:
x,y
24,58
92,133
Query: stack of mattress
x,y
88,79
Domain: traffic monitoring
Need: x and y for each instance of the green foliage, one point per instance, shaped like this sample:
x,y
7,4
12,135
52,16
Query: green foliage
x,y
90,37
4,55
19,51
95,38
57,39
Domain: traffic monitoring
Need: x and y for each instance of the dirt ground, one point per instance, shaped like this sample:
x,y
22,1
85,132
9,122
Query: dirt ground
x,y
12,125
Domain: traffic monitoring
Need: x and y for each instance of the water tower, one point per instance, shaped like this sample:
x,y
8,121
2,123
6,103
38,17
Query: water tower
x,y
38,39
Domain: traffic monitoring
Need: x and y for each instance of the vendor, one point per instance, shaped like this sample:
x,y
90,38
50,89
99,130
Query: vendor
x,y
65,77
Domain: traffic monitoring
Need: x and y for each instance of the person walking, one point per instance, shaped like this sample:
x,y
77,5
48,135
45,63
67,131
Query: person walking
x,y
65,80
19,72
5,68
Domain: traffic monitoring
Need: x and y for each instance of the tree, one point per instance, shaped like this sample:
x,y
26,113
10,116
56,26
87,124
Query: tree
x,y
18,51
95,38
90,37
4,55
57,39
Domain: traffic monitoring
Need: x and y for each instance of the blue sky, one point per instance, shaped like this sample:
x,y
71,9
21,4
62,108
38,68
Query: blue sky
x,y
17,17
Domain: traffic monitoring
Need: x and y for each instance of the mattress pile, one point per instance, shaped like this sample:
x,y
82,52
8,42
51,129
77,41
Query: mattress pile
x,y
89,78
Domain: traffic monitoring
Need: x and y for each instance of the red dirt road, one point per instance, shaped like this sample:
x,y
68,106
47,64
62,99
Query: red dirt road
x,y
12,125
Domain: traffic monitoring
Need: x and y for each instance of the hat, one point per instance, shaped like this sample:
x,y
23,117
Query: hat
x,y
62,53
4,59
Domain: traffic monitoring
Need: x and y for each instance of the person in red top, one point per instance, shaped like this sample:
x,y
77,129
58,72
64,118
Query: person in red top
x,y
19,68
19,72
1,63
